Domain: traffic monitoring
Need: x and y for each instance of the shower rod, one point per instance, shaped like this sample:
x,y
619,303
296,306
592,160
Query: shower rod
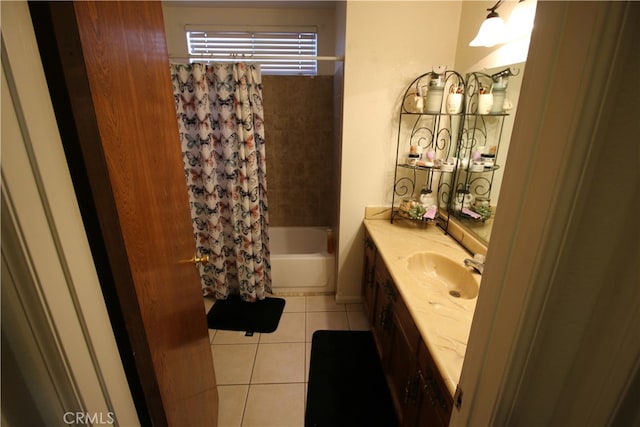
x,y
258,58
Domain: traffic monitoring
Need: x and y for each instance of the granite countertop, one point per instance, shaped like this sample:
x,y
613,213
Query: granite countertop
x,y
444,322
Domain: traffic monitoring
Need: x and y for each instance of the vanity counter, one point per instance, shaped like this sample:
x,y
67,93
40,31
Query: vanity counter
x,y
443,321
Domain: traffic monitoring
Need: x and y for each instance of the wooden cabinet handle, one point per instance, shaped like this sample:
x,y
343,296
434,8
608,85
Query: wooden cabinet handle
x,y
411,389
390,290
433,391
385,318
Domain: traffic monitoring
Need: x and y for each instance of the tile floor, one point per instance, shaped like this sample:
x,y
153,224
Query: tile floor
x,y
262,380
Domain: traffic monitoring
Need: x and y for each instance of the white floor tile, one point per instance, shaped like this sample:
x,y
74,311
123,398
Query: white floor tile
x,y
279,363
290,329
323,303
357,321
232,399
233,363
277,405
294,305
325,320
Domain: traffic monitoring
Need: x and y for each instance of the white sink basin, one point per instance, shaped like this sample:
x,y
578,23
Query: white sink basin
x,y
431,267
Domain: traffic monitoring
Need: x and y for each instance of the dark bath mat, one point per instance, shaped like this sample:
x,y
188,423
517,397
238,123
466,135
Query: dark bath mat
x,y
233,314
347,386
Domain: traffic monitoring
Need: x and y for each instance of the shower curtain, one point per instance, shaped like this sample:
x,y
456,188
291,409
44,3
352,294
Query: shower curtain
x,y
220,119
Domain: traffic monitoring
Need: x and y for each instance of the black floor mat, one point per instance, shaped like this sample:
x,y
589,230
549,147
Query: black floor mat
x,y
233,314
347,386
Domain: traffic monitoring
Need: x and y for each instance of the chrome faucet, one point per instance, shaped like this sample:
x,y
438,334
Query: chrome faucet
x,y
477,262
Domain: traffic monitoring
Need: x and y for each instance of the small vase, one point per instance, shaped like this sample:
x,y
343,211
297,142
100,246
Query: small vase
x,y
454,103
485,102
434,100
497,106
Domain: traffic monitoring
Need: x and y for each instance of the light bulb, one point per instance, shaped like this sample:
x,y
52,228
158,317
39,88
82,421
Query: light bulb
x,y
521,20
492,32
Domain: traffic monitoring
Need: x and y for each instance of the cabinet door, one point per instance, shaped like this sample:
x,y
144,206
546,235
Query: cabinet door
x,y
403,367
386,296
425,411
436,399
368,282
381,325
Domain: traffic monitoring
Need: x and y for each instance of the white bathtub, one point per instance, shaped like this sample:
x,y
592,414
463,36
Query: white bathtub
x,y
299,260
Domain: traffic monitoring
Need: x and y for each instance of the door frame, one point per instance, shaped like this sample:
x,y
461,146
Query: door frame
x,y
56,279
559,281
91,52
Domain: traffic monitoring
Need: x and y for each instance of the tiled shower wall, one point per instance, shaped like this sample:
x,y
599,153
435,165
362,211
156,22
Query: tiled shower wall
x,y
300,150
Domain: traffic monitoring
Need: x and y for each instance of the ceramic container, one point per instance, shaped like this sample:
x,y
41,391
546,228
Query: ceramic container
x,y
454,103
485,102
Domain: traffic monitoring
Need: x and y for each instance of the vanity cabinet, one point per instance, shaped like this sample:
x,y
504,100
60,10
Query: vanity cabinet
x,y
419,394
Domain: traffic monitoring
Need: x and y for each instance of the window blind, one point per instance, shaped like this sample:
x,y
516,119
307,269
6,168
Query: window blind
x,y
277,52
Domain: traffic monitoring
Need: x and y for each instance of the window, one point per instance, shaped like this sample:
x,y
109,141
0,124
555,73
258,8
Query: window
x,y
278,52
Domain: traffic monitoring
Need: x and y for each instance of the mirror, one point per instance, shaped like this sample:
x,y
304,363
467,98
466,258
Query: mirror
x,y
482,229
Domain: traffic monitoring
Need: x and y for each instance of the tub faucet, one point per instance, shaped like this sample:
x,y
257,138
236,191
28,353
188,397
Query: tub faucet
x,y
477,262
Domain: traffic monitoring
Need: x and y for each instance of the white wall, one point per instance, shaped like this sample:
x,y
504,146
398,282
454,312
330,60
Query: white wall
x,y
176,16
388,44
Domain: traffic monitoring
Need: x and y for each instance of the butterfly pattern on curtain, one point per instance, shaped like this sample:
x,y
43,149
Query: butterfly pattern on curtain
x,y
220,119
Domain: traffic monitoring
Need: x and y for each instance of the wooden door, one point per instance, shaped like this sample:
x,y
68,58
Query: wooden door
x,y
115,76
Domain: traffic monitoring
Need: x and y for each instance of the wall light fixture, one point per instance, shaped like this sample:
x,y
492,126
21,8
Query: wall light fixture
x,y
520,21
492,31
